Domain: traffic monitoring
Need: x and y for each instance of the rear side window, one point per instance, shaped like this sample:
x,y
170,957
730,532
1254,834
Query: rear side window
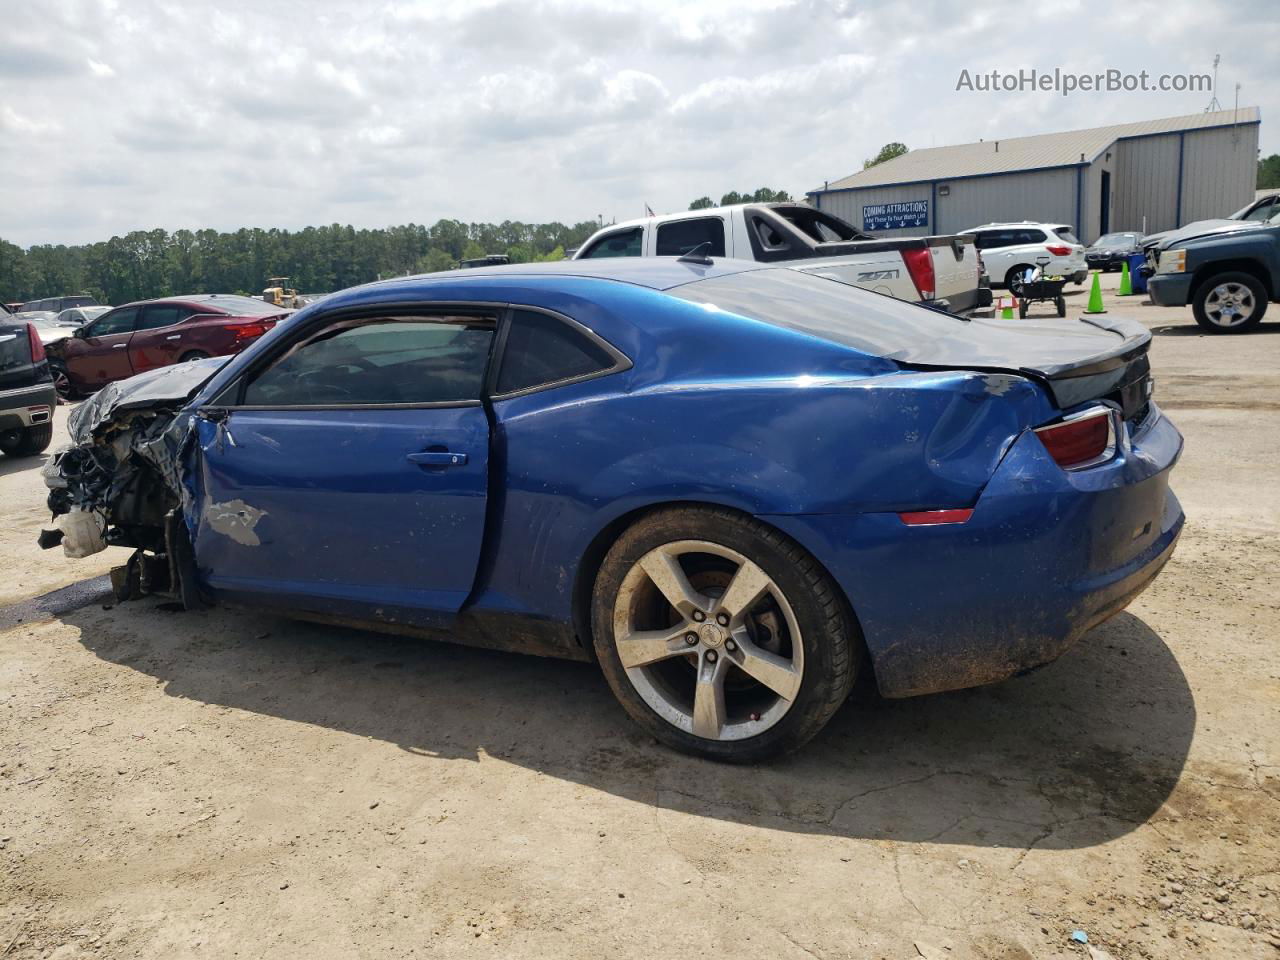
x,y
1066,234
1029,236
384,360
624,243
678,238
994,239
162,315
542,349
78,302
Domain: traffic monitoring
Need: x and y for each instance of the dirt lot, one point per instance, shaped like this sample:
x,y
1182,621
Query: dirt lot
x,y
229,784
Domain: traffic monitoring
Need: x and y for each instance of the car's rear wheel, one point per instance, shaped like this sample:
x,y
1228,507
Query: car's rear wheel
x,y
1013,279
720,636
26,441
1230,302
61,381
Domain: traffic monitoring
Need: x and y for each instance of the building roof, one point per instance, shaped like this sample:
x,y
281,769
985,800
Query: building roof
x,y
1028,153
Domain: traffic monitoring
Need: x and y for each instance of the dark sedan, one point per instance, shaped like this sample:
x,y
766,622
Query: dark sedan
x,y
141,336
1112,249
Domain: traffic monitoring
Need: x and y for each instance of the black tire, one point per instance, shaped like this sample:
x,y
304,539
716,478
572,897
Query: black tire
x,y
26,441
1061,304
1012,279
1202,308
830,638
62,382
194,355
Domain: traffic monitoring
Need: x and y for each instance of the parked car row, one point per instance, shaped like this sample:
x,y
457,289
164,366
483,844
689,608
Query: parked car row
x,y
142,336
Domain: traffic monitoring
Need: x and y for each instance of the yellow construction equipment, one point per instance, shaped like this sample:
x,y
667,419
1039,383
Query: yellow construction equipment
x,y
279,292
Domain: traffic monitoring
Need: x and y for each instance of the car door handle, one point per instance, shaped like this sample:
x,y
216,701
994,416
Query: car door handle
x,y
118,346
437,458
174,336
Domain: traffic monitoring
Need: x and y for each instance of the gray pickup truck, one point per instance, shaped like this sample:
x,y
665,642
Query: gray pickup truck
x,y
27,396
1227,271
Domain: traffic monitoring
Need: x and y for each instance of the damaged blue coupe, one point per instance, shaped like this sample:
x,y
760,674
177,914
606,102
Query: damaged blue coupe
x,y
731,486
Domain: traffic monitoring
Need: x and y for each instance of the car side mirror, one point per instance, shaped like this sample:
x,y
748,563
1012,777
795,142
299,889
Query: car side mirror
x,y
78,333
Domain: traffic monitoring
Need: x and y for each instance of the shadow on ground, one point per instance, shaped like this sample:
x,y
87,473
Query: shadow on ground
x,y
1073,755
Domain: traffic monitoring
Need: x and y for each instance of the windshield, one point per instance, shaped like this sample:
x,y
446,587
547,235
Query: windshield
x,y
1116,240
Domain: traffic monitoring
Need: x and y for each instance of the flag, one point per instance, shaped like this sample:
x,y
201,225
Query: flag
x,y
648,211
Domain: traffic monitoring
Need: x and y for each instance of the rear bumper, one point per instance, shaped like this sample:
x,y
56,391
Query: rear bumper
x,y
1169,289
1046,556
27,406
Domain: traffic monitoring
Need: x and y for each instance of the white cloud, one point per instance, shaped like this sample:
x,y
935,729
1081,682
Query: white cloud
x,y
294,112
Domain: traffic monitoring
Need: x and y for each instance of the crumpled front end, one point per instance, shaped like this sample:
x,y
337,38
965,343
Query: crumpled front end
x,y
119,481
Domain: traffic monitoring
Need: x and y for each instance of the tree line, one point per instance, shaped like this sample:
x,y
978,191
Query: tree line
x,y
156,263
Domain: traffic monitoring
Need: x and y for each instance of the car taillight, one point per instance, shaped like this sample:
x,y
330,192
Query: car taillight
x,y
248,331
1082,440
920,266
1058,251
37,345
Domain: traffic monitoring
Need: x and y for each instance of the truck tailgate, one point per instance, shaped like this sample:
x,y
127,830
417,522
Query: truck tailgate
x,y
955,268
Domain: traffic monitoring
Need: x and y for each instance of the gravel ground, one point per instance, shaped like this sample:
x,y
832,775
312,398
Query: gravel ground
x,y
229,784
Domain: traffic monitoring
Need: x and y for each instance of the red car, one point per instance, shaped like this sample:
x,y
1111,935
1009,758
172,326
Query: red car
x,y
156,333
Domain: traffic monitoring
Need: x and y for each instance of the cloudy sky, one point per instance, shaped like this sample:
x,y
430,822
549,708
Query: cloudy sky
x,y
124,114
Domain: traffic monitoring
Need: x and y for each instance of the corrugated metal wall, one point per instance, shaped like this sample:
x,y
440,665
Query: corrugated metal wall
x,y
1041,195
1146,182
1219,171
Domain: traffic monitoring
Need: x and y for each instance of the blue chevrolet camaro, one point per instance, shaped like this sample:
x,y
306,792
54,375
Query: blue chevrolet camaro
x,y
732,486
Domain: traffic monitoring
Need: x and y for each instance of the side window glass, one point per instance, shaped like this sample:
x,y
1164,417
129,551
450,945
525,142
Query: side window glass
x,y
678,238
624,243
542,349
117,321
378,361
163,315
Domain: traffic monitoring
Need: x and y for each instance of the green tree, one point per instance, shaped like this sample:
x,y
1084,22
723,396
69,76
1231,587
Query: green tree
x,y
887,152
1269,172
702,203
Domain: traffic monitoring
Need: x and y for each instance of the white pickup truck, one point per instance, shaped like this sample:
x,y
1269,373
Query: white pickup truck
x,y
943,272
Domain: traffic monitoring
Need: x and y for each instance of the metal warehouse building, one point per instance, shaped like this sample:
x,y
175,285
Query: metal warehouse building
x,y
1152,175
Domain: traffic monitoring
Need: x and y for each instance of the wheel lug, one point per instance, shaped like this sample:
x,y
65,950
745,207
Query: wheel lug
x,y
691,638
730,645
711,656
699,616
722,619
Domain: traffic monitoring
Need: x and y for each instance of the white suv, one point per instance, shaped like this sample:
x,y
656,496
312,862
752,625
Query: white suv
x,y
1008,249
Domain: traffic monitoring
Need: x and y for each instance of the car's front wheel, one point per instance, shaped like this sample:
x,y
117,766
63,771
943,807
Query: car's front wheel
x,y
720,636
1231,302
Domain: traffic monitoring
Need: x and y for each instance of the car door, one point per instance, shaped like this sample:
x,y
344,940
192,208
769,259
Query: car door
x,y
158,339
347,471
101,354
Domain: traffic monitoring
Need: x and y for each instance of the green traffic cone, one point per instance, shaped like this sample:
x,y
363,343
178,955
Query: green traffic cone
x,y
1095,298
1126,285
1007,312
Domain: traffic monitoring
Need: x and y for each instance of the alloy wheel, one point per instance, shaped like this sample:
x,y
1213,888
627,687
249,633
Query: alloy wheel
x,y
708,640
1230,304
